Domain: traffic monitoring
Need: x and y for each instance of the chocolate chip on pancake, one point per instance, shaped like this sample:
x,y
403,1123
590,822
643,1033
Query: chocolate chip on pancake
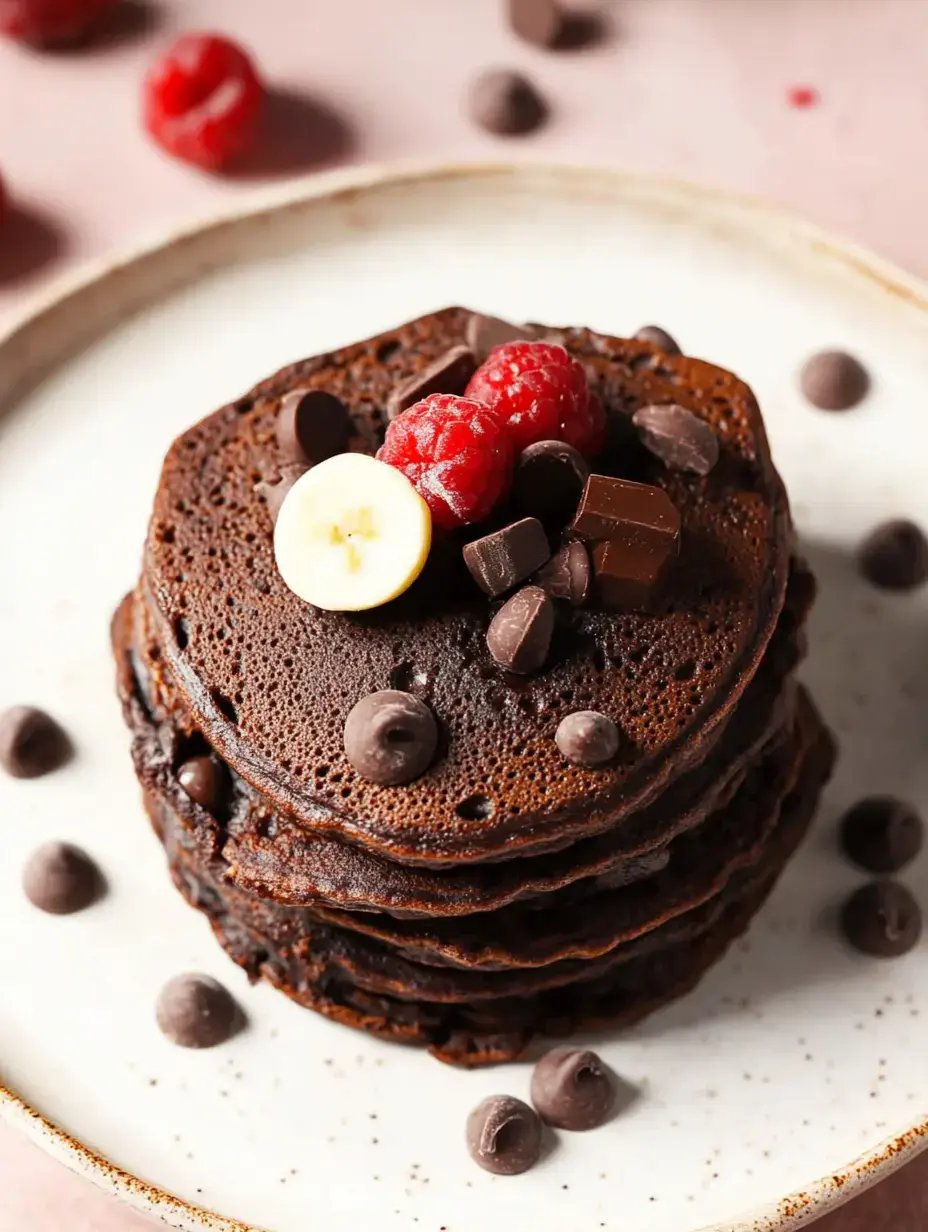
x,y
520,633
448,374
568,574
572,1089
32,743
485,333
658,337
587,738
681,440
549,481
504,1135
205,780
312,425
390,737
274,493
500,561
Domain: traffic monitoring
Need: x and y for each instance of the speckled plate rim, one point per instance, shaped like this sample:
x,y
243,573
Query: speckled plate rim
x,y
56,323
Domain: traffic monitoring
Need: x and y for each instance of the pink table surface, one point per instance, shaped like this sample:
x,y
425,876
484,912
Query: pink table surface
x,y
690,88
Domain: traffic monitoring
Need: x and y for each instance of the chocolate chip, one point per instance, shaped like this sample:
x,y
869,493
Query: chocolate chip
x,y
660,338
31,743
681,440
506,103
312,425
205,781
274,493
519,636
882,834
834,381
196,1011
587,738
568,574
894,556
882,919
390,737
61,879
484,334
449,374
549,481
537,21
572,1089
504,1135
500,561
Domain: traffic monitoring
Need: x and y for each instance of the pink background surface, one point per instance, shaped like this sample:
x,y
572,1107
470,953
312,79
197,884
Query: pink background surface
x,y
690,88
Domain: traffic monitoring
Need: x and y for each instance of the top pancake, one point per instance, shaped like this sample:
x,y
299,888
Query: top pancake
x,y
271,679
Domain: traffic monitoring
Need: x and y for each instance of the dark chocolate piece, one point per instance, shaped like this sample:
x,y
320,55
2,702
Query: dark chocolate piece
x,y
506,103
205,781
31,743
390,737
312,425
629,576
484,334
504,1135
572,1089
894,556
568,574
519,636
587,738
631,513
274,493
61,879
502,560
449,374
681,440
882,919
540,22
834,381
660,338
882,834
549,481
196,1011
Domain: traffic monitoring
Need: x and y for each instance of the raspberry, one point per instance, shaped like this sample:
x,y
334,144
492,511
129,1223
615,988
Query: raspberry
x,y
457,455
540,392
202,101
587,432
47,23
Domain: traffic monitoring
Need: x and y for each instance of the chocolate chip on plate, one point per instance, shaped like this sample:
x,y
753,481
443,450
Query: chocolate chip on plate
x,y
549,481
31,743
448,374
882,834
568,574
658,337
681,440
894,556
61,879
390,737
537,21
572,1089
504,1135
506,103
196,1011
312,425
834,381
882,919
500,561
519,636
483,334
587,738
205,781
274,493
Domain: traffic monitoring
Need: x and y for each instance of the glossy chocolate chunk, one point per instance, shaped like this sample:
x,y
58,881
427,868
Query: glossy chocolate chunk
x,y
312,425
629,576
502,560
894,556
506,103
834,381
504,1135
205,780
631,513
681,440
484,334
882,919
587,738
572,1089
549,481
31,743
390,737
449,374
568,574
882,834
520,633
61,879
658,337
196,1011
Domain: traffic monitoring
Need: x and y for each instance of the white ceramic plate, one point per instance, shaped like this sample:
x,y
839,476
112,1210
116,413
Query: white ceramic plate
x,y
794,1061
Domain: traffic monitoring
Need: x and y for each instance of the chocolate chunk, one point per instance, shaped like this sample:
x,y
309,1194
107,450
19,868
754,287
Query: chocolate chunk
x,y
274,493
537,21
519,636
882,834
31,743
504,1135
834,381
568,574
572,1089
312,425
660,338
681,440
882,919
390,737
484,334
894,556
628,512
196,1011
506,103
500,561
205,781
449,374
549,481
587,738
629,576
61,879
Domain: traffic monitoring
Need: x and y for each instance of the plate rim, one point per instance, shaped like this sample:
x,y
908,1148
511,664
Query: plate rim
x,y
816,1197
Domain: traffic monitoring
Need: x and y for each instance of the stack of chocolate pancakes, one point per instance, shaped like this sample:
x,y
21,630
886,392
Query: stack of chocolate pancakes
x,y
507,891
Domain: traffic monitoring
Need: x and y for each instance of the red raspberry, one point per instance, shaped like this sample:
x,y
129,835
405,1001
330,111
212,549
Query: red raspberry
x,y
587,432
457,455
538,389
202,101
46,23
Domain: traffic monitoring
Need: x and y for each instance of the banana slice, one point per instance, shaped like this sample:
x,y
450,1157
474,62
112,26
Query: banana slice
x,y
352,533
